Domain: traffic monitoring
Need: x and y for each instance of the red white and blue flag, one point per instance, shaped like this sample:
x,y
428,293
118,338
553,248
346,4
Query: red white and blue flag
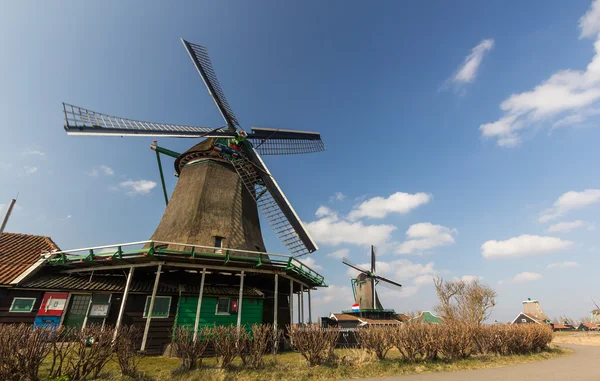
x,y
356,307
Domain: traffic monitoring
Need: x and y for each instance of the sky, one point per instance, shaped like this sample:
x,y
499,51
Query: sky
x,y
461,137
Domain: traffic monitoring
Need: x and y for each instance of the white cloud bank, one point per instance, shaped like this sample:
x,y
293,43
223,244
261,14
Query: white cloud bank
x,y
310,262
562,265
563,227
467,72
380,207
424,236
339,254
523,277
522,246
568,96
137,187
570,201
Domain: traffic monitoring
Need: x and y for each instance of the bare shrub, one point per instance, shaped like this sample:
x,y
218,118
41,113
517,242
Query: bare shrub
x,y
187,349
456,340
225,342
469,302
22,351
125,351
91,351
254,344
376,340
405,338
315,344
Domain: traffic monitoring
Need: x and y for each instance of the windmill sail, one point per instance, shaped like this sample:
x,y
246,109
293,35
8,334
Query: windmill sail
x,y
269,141
273,204
199,55
81,121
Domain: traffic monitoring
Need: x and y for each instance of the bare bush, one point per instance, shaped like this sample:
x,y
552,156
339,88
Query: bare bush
x,y
376,340
255,344
22,351
315,344
91,351
469,302
125,351
190,351
456,340
225,342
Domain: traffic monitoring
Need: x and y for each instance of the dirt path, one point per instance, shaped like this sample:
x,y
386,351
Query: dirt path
x,y
582,365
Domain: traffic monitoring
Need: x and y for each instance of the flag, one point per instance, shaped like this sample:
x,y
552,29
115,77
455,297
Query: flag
x,y
356,307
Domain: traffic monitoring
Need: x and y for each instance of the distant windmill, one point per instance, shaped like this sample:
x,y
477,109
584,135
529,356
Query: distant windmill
x,y
222,179
596,313
364,284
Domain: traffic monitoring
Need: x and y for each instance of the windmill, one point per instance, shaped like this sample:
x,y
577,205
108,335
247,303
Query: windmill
x,y
222,179
364,284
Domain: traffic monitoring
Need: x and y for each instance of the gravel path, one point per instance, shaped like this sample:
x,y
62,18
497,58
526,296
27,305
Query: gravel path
x,y
582,365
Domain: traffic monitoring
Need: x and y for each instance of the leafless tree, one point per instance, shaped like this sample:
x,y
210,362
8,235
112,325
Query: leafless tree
x,y
469,302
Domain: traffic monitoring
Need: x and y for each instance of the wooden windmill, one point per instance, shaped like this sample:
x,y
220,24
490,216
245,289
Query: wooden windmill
x,y
222,179
364,284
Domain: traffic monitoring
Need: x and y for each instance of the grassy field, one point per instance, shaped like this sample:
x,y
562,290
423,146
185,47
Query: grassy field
x,y
351,364
581,338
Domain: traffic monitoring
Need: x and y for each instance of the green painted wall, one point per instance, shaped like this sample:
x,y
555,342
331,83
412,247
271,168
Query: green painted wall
x,y
252,310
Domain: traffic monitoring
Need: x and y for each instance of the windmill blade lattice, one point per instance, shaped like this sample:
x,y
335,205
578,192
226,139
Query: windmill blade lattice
x,y
280,217
81,121
269,141
199,55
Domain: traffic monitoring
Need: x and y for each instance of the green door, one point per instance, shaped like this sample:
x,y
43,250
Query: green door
x,y
77,311
186,312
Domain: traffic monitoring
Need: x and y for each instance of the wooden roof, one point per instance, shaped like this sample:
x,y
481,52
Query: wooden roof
x,y
18,252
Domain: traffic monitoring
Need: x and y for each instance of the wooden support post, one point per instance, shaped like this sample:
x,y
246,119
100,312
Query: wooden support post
x,y
199,304
299,309
275,312
302,303
239,314
309,309
123,302
151,308
291,303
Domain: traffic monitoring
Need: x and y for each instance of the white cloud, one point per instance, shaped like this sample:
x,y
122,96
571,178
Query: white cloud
x,y
523,245
330,299
590,22
68,217
137,187
423,280
523,278
562,265
398,270
32,153
338,196
467,72
570,95
470,278
30,170
339,254
399,202
101,169
323,211
569,201
310,262
425,236
566,226
331,230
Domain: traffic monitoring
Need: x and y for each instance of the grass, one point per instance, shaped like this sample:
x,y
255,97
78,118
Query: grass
x,y
291,366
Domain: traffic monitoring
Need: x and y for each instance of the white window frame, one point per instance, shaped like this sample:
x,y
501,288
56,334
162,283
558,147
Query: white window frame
x,y
148,298
523,320
21,312
228,307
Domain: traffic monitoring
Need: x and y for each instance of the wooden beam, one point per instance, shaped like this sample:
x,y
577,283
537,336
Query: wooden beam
x,y
309,309
115,267
200,295
275,312
150,308
123,302
239,313
291,302
302,303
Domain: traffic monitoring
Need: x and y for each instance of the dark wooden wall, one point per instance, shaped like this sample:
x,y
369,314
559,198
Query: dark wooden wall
x,y
6,298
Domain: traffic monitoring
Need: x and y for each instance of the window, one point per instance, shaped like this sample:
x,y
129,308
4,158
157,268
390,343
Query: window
x,y
219,243
22,305
223,305
162,305
523,320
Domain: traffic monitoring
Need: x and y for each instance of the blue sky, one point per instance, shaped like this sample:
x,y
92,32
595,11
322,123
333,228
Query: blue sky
x,y
459,135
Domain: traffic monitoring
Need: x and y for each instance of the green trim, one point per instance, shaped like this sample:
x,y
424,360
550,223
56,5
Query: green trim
x,y
162,177
165,151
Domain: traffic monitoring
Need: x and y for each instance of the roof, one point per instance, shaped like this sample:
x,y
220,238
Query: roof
x,y
560,326
363,321
116,283
590,325
19,252
528,316
402,317
428,317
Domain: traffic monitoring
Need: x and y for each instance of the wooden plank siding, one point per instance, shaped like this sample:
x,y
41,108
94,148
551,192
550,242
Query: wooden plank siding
x,y
6,298
252,312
